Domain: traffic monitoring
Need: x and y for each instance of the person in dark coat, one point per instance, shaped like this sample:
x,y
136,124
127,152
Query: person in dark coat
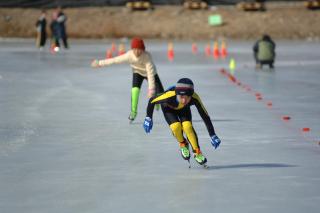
x,y
62,18
41,26
55,35
264,52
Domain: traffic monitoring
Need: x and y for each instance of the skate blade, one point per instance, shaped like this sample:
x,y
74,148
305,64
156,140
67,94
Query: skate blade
x,y
189,163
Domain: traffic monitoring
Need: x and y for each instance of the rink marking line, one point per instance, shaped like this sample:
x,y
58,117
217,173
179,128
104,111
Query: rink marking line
x,y
303,131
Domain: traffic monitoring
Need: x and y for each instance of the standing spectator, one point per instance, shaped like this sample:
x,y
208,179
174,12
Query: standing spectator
x,y
62,18
264,52
54,27
41,26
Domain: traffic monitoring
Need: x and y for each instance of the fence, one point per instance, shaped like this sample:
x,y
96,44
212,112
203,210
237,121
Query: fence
x,y
88,3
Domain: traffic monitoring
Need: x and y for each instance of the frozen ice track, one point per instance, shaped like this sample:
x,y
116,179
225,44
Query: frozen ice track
x,y
66,145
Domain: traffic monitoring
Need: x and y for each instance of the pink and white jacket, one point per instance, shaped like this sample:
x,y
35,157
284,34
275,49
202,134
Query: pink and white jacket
x,y
143,65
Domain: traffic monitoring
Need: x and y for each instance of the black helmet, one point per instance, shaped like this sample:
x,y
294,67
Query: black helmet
x,y
184,87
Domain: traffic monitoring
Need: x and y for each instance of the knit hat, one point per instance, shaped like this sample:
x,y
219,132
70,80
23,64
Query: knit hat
x,y
184,87
137,43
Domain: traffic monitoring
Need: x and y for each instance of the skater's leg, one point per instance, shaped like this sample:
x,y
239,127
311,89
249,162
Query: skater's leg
x,y
135,92
174,123
191,135
186,117
193,139
176,129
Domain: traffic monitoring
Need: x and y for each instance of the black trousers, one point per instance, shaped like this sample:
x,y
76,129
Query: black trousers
x,y
137,80
43,38
182,115
262,62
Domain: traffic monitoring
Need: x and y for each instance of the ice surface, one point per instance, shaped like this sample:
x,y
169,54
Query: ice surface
x,y
66,144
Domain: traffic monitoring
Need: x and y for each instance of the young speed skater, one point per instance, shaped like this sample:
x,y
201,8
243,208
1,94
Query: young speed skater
x,y
175,103
142,67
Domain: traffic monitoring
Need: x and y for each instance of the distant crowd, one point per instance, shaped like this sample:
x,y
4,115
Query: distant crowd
x,y
57,28
263,49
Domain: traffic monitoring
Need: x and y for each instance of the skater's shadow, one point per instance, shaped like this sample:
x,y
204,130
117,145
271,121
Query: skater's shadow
x,y
251,165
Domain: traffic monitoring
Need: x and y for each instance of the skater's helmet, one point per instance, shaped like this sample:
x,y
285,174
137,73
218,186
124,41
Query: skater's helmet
x,y
137,43
184,87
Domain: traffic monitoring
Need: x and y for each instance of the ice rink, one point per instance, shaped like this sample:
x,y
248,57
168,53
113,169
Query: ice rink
x,y
66,144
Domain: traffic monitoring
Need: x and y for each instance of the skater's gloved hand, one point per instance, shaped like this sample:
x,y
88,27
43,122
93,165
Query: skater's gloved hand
x,y
95,63
147,124
215,141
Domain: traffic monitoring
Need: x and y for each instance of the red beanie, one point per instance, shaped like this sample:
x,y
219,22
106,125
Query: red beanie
x,y
137,43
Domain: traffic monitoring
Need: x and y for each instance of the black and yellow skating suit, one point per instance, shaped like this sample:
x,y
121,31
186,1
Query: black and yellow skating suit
x,y
179,117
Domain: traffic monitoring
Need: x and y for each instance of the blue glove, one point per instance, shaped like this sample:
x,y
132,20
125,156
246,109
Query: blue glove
x,y
215,141
147,124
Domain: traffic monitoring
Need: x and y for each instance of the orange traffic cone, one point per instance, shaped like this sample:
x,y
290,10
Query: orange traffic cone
x,y
208,50
194,48
108,54
113,47
216,52
121,49
170,51
223,51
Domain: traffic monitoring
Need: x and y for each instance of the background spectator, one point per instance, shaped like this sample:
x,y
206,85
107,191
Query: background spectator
x,y
41,26
264,52
62,18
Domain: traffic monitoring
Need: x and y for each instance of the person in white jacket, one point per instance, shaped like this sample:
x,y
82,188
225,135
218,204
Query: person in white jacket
x,y
142,67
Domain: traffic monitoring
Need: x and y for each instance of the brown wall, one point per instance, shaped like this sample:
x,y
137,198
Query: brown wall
x,y
169,22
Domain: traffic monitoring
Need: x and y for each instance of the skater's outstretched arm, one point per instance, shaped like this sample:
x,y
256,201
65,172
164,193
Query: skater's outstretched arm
x,y
203,113
150,107
163,98
148,123
215,141
106,62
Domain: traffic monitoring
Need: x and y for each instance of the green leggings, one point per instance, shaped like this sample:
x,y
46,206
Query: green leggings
x,y
135,90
